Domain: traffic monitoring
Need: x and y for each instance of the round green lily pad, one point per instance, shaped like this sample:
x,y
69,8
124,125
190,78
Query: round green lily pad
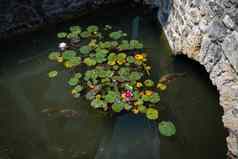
x,y
152,114
52,74
167,128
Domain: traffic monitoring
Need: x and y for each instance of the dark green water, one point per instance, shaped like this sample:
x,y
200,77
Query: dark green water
x,y
27,133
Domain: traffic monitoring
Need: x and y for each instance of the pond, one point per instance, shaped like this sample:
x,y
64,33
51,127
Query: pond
x,y
33,128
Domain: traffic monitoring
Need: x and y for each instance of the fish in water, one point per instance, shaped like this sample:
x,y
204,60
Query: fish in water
x,y
68,113
166,79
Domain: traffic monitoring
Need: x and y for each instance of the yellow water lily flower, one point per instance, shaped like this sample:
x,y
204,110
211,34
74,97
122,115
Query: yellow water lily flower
x,y
148,93
161,86
139,84
140,57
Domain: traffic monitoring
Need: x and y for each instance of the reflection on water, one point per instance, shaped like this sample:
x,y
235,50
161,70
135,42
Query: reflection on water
x,y
28,133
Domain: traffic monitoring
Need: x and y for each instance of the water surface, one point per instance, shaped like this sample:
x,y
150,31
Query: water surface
x,y
27,133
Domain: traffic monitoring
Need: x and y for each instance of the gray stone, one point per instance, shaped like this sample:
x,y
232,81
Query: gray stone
x,y
230,47
228,22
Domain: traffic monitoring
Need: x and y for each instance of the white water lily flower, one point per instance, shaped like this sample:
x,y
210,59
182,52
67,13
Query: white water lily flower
x,y
62,46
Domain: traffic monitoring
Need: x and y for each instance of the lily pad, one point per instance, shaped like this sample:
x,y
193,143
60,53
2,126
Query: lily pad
x,y
62,35
111,96
89,61
69,54
75,29
78,75
167,128
97,103
152,114
85,34
85,49
149,83
116,35
118,107
73,81
92,28
54,56
52,74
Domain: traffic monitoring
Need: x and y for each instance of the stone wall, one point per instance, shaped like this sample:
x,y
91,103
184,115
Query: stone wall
x,y
207,31
24,15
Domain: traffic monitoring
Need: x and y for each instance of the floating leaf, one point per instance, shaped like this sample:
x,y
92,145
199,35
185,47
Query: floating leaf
x,y
152,114
92,28
121,58
116,35
62,35
85,34
167,128
118,107
69,54
73,36
54,56
75,29
124,45
73,81
111,96
97,103
142,108
90,74
52,74
89,61
112,58
85,49
161,86
135,76
78,88
135,44
148,83
155,98
78,75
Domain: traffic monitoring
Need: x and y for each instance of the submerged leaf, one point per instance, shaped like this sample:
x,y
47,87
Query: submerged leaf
x,y
167,128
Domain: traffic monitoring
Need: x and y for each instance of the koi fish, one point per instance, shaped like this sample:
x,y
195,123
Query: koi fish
x,y
166,79
68,113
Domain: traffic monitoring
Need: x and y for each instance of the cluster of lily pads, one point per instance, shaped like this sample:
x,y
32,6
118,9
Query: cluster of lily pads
x,y
110,71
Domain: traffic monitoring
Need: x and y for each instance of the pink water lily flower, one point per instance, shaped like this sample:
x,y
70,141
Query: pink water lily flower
x,y
127,95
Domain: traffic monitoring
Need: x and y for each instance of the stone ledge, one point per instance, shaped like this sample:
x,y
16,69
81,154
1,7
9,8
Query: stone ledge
x,y
21,16
206,31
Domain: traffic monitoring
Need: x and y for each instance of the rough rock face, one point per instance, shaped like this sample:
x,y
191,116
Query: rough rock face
x,y
23,15
207,31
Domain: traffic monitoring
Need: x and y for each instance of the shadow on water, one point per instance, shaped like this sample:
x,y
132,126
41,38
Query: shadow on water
x,y
27,133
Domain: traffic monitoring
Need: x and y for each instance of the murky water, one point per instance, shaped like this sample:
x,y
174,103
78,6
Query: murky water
x,y
27,133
